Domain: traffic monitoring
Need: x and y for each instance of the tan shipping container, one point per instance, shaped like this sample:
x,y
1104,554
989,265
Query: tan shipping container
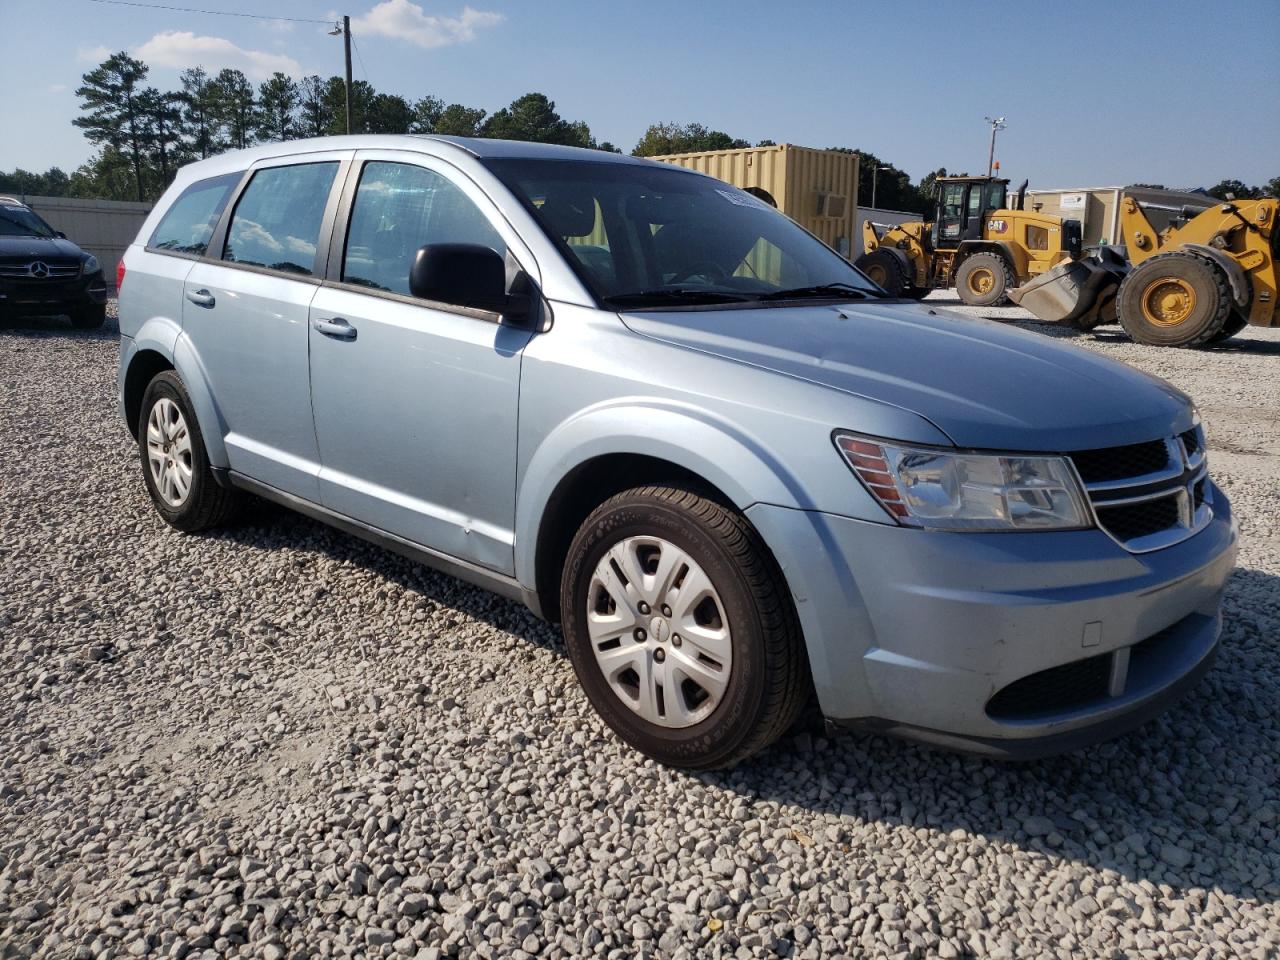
x,y
818,189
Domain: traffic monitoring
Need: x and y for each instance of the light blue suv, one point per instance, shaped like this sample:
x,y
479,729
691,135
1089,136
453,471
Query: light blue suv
x,y
654,409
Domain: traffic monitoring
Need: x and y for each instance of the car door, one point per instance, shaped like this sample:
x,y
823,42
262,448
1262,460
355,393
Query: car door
x,y
245,315
415,403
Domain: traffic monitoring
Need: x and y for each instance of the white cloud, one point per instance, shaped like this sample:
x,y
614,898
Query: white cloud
x,y
92,54
180,49
57,87
408,21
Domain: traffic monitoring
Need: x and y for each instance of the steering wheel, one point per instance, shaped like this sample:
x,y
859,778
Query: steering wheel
x,y
703,268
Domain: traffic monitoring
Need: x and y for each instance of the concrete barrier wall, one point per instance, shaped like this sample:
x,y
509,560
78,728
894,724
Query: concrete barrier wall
x,y
102,227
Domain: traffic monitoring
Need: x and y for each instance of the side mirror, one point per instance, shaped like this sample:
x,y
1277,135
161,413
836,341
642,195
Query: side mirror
x,y
60,235
466,275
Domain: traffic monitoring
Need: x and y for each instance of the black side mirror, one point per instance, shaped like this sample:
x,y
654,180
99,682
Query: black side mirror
x,y
466,275
60,235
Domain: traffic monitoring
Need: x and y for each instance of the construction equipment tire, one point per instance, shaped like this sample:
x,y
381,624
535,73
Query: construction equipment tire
x,y
984,280
1175,300
886,269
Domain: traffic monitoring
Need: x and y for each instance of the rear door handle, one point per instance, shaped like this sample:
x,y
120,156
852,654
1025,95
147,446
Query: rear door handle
x,y
201,298
337,328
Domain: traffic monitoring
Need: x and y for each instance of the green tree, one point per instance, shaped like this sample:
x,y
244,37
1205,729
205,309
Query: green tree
x,y
1236,188
162,118
667,138
926,190
199,109
278,102
389,113
108,176
111,113
234,107
455,120
335,98
891,187
313,106
533,117
426,114
54,182
1272,188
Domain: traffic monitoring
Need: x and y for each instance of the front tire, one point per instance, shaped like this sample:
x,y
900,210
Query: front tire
x,y
1174,300
89,318
681,629
885,269
175,466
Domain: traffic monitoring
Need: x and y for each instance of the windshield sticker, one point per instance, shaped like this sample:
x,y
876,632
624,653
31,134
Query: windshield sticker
x,y
742,199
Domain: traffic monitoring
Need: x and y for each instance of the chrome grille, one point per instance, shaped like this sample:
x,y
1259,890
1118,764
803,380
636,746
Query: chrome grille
x,y
51,271
1150,495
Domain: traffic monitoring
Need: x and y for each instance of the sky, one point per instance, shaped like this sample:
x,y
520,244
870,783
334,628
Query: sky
x,y
1094,93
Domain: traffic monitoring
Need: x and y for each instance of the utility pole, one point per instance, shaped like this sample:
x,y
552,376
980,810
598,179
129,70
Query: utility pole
x,y
346,44
344,28
997,124
875,175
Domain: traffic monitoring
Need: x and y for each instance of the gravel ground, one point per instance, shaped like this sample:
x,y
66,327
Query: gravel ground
x,y
281,742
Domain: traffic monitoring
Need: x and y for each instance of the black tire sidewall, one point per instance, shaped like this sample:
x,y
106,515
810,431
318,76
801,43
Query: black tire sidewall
x,y
997,265
169,385
710,742
895,282
1205,324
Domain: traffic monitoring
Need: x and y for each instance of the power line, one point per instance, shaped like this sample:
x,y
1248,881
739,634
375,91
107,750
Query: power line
x,y
217,13
360,58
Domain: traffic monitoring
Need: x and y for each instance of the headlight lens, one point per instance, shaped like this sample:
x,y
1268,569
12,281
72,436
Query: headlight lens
x,y
91,265
921,487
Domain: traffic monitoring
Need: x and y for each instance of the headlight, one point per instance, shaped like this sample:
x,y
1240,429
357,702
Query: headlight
x,y
90,265
939,490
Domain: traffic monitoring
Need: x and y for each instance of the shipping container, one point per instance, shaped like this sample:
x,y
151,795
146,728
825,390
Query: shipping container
x,y
818,189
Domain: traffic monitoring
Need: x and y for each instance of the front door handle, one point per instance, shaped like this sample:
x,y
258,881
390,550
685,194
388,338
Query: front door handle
x,y
337,328
201,298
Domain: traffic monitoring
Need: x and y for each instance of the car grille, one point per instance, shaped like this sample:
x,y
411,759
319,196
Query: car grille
x,y
52,271
1149,495
1081,684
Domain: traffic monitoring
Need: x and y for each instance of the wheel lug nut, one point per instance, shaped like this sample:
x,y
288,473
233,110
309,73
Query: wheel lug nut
x,y
640,635
666,611
643,607
675,640
659,655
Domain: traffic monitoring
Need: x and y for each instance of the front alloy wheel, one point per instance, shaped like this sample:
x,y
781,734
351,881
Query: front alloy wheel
x,y
681,628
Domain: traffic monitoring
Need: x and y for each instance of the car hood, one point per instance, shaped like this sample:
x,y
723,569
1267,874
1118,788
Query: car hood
x,y
984,384
37,247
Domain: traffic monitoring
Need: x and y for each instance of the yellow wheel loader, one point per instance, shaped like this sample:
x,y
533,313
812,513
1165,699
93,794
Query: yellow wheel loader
x,y
976,242
1199,281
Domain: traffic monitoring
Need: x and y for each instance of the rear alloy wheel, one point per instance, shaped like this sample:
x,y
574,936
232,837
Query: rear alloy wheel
x,y
984,279
175,467
680,628
885,269
1174,300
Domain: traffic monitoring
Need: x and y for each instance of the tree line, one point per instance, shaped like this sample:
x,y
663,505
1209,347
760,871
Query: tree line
x,y
144,134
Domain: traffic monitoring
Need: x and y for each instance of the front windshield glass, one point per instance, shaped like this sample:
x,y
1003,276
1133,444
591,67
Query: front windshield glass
x,y
21,222
642,236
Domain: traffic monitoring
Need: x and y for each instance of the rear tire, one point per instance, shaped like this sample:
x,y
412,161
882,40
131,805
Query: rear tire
x,y
89,318
886,270
984,279
1174,300
175,467
649,564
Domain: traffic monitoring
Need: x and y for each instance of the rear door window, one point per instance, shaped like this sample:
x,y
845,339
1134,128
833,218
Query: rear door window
x,y
277,220
189,222
398,208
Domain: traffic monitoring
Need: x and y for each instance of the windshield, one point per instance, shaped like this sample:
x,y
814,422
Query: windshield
x,y
641,236
21,222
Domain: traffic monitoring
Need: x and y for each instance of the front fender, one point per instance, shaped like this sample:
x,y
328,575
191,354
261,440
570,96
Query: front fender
x,y
741,467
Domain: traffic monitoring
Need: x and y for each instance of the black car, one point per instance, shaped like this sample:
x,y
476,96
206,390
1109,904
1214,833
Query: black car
x,y
42,272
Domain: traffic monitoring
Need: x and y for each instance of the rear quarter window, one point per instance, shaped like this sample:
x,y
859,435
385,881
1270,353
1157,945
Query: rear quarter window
x,y
188,224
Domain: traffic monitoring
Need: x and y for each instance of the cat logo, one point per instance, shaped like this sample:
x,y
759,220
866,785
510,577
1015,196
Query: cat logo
x,y
997,226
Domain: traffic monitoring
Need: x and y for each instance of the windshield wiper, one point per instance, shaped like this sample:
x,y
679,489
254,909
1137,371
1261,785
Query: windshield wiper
x,y
824,290
667,295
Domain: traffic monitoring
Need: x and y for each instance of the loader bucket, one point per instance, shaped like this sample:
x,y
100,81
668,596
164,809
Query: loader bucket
x,y
1073,292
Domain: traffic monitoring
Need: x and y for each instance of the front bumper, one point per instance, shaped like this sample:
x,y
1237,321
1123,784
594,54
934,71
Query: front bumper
x,y
35,296
915,632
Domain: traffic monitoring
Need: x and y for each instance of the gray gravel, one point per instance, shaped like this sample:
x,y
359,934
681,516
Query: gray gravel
x,y
279,742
